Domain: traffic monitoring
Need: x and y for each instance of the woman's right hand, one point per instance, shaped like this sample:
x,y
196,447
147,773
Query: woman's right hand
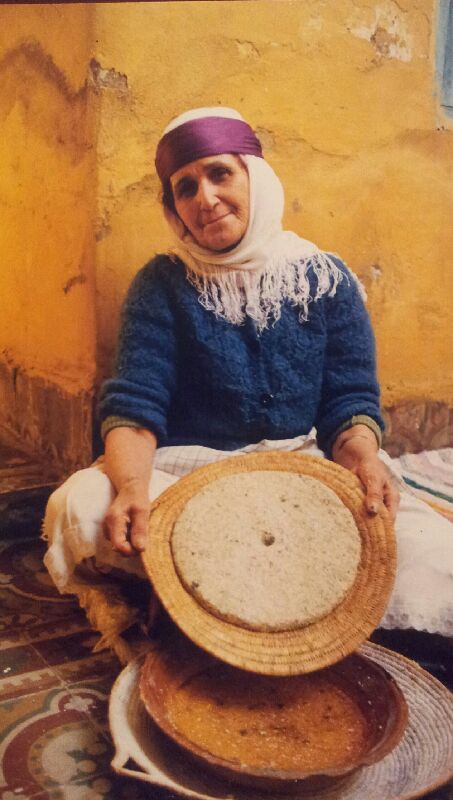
x,y
126,522
128,462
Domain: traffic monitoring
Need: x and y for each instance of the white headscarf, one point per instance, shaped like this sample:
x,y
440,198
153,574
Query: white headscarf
x,y
267,267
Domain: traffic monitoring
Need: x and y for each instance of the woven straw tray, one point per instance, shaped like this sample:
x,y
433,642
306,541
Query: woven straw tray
x,y
422,761
287,652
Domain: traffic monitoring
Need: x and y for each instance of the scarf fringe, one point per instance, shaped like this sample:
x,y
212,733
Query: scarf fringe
x,y
233,295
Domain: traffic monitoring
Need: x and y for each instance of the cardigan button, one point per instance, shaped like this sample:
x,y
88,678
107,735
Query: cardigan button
x,y
266,399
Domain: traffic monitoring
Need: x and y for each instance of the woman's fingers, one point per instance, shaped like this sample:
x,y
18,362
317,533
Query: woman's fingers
x,y
391,498
125,525
379,487
116,529
139,527
374,493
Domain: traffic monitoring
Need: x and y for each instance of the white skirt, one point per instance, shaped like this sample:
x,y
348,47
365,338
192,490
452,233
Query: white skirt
x,y
422,597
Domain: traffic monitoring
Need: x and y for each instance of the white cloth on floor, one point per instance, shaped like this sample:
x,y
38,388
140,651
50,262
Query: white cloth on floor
x,y
422,596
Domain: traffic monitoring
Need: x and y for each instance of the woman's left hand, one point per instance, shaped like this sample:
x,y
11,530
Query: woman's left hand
x,y
359,454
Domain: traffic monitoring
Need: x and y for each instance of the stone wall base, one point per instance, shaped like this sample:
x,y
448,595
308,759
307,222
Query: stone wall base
x,y
417,425
45,431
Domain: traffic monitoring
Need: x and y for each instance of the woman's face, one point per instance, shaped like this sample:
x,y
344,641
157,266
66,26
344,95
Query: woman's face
x,y
211,197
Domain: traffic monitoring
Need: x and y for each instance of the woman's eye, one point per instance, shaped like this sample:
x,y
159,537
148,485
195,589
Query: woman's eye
x,y
219,173
186,189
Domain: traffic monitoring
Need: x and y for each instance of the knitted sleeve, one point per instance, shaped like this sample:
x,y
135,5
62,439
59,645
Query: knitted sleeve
x,y
349,387
145,377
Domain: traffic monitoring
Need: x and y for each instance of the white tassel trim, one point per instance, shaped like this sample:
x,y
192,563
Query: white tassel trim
x,y
234,295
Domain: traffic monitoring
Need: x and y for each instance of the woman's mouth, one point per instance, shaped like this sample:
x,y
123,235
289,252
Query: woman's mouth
x,y
216,220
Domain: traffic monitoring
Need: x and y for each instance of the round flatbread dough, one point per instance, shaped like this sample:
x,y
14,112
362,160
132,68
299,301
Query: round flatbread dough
x,y
267,550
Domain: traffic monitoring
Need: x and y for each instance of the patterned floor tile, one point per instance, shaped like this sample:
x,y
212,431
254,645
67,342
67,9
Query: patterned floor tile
x,y
66,649
17,660
23,671
72,657
49,744
92,696
31,605
23,620
75,622
22,571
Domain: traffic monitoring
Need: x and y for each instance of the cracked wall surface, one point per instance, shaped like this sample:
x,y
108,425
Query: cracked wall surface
x,y
344,98
47,201
48,193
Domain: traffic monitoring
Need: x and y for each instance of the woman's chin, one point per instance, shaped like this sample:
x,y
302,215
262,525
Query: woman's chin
x,y
222,243
222,236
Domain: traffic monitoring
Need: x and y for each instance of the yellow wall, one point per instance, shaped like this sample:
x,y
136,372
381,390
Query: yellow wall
x,y
47,324
343,95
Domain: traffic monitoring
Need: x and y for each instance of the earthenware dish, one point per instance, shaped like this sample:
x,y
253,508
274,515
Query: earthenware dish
x,y
422,761
272,732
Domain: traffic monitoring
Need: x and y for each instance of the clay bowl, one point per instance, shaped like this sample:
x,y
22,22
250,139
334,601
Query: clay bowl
x,y
272,732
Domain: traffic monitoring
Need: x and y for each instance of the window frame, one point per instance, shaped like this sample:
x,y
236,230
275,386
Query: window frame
x,y
444,55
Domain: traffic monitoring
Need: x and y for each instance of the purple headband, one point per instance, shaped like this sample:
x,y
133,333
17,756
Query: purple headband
x,y
207,136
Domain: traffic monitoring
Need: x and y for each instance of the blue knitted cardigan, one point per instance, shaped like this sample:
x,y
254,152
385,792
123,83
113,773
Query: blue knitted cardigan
x,y
193,378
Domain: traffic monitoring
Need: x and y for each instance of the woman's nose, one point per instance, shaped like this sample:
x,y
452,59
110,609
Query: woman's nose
x,y
207,196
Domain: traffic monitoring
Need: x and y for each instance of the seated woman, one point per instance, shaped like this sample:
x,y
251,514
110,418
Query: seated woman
x,y
244,337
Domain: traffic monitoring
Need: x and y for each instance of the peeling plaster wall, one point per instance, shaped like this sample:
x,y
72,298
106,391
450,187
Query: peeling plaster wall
x,y
343,96
48,184
47,324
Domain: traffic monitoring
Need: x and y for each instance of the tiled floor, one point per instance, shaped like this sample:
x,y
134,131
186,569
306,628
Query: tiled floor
x,y
54,693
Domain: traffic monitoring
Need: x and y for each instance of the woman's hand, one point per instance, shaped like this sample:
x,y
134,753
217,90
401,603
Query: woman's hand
x,y
126,521
128,461
357,451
